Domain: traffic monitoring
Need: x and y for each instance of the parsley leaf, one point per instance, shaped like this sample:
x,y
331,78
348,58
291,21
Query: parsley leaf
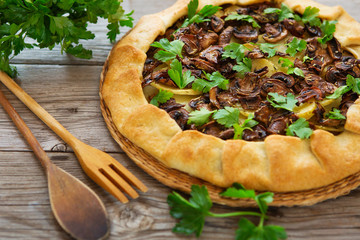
x,y
335,114
351,84
52,23
283,12
279,101
249,123
295,46
227,116
246,18
248,231
339,92
192,213
291,69
234,51
201,16
243,67
200,117
214,80
172,49
162,97
299,128
238,191
328,28
176,74
307,58
268,48
310,16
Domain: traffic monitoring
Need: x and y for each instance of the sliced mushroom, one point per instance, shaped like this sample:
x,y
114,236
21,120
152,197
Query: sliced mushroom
x,y
181,117
212,54
191,42
225,98
227,134
217,24
162,76
170,105
150,65
251,102
213,99
256,53
207,39
334,48
278,126
246,33
225,36
256,134
309,93
204,65
263,114
287,79
201,102
274,85
294,27
247,86
274,33
313,31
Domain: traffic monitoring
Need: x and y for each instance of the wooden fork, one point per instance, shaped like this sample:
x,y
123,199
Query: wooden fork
x,y
99,166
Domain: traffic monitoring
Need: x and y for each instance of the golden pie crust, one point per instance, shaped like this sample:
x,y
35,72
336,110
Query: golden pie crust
x,y
279,164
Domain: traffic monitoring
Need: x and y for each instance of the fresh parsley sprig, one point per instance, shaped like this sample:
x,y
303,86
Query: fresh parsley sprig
x,y
351,84
245,18
328,28
310,16
249,123
192,213
170,49
284,12
295,46
180,78
279,101
291,67
299,128
268,48
227,116
335,114
213,80
55,22
237,51
243,67
200,117
161,97
201,16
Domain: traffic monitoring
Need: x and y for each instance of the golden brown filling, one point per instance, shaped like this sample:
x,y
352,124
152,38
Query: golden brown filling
x,y
247,72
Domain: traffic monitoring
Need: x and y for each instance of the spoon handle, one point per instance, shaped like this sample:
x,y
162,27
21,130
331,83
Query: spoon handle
x,y
25,131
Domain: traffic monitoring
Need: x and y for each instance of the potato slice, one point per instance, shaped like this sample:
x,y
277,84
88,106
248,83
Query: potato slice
x,y
177,91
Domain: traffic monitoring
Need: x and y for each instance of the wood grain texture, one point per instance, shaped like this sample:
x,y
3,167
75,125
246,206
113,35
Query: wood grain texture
x,y
68,89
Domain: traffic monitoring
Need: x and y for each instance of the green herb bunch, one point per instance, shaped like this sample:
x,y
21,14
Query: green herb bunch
x,y
52,22
192,213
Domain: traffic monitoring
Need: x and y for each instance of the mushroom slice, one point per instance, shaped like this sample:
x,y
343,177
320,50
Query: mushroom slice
x,y
212,53
287,79
225,36
217,24
207,39
274,33
294,27
246,33
334,48
191,43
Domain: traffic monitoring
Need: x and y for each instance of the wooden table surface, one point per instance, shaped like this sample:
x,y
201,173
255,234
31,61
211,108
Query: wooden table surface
x,y
68,88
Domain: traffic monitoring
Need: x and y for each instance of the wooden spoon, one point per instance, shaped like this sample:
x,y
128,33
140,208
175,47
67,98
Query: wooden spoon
x,y
78,210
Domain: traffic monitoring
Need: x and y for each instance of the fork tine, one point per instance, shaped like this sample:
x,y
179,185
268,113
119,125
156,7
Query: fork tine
x,y
118,181
128,176
105,183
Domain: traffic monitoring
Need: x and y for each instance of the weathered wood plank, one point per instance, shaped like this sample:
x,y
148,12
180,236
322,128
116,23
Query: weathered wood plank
x,y
25,208
70,94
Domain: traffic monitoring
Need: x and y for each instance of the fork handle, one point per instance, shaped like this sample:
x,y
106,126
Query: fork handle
x,y
49,120
25,131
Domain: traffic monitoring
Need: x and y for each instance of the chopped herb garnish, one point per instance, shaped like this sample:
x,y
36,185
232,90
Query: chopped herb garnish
x,y
307,58
328,28
227,116
200,117
243,67
290,65
335,114
192,213
235,51
213,80
268,48
172,49
351,84
295,46
299,128
162,97
249,123
284,12
176,74
310,16
245,18
279,101
201,16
